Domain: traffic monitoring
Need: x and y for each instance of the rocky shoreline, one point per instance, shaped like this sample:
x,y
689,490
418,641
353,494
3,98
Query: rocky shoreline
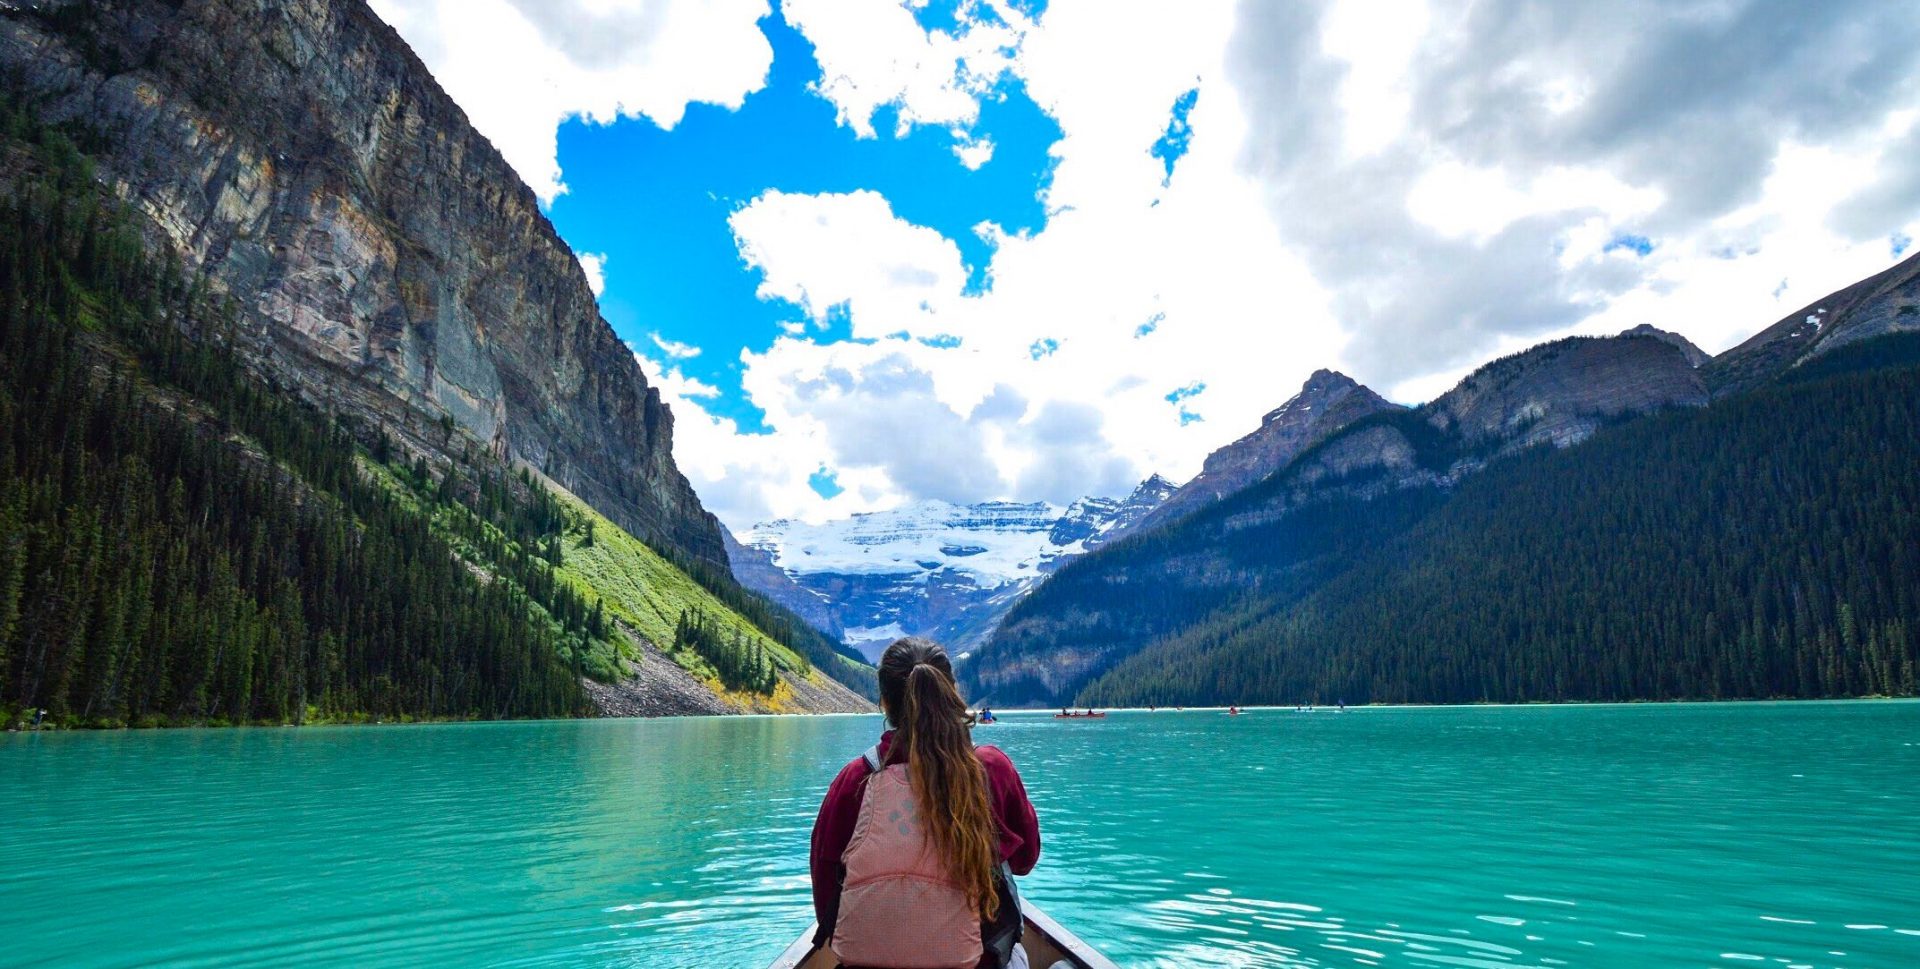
x,y
656,686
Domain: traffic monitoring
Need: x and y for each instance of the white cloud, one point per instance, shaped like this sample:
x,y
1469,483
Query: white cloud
x,y
874,53
1461,177
674,383
1458,201
674,349
594,264
1720,281
1402,194
521,67
822,251
1376,39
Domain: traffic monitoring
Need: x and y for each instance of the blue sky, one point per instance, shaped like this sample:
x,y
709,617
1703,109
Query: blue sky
x,y
674,268
884,251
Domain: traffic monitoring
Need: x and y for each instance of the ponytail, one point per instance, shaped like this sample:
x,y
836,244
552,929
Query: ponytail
x,y
931,724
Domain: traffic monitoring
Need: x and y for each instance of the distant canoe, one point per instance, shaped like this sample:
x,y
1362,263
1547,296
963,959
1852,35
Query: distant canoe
x,y
1048,943
1079,716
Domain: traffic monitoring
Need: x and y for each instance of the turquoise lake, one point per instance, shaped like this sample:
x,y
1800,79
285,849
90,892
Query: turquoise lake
x,y
1661,835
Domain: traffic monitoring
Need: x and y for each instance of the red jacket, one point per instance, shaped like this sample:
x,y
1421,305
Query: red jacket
x,y
1019,828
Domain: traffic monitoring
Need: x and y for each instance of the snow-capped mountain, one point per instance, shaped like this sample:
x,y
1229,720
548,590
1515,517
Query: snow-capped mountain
x,y
932,568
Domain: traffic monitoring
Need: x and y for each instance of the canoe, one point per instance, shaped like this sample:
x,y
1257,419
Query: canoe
x,y
1048,943
1078,716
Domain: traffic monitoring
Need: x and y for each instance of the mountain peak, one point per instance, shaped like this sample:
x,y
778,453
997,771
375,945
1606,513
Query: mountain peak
x,y
1156,488
1137,507
1327,402
1322,387
1564,390
1695,356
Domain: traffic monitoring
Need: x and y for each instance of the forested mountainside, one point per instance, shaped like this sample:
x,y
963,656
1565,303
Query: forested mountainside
x,y
1557,393
384,260
184,540
1766,546
1664,546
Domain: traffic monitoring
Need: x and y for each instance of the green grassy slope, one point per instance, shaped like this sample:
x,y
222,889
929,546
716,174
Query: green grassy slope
x,y
604,566
644,590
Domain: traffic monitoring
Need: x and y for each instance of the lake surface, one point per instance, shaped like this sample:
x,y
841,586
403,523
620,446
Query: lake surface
x,y
1700,835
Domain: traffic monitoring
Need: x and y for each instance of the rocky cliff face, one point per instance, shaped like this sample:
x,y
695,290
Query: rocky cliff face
x,y
755,569
386,262
1336,434
934,569
1696,357
1560,392
1327,403
1557,393
1875,306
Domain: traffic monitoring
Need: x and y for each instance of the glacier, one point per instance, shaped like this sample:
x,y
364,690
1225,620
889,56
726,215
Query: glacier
x,y
932,568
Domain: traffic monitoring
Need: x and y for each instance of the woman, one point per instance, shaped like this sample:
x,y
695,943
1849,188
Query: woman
x,y
908,849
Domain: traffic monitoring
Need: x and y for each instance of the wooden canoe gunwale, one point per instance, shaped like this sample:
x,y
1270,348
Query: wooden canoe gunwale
x,y
1041,931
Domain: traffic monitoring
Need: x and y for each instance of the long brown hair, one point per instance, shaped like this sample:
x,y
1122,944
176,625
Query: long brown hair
x,y
930,724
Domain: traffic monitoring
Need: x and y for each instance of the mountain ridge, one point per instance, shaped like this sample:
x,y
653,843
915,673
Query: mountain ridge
x,y
1885,303
1328,402
1554,394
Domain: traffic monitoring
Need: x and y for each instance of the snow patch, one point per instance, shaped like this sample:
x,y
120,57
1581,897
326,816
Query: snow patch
x,y
867,634
988,542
